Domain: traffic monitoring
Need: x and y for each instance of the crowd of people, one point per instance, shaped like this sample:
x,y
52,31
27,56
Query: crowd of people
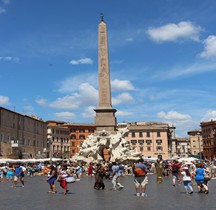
x,y
187,173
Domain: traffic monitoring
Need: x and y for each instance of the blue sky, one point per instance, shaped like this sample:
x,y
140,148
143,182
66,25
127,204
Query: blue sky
x,y
162,59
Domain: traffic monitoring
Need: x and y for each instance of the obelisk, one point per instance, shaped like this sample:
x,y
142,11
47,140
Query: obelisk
x,y
105,115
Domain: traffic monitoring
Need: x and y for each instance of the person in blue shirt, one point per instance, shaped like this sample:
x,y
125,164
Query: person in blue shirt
x,y
18,175
199,178
116,173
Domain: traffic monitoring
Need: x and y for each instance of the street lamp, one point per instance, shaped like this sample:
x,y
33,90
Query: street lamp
x,y
200,155
50,148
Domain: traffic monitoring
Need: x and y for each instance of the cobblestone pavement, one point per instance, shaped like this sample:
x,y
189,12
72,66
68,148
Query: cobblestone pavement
x,y
34,196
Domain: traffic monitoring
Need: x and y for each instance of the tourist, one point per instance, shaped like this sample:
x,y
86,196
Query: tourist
x,y
90,169
99,174
186,178
79,170
18,175
116,175
175,168
140,178
51,179
192,170
199,178
10,174
121,169
1,172
63,174
166,168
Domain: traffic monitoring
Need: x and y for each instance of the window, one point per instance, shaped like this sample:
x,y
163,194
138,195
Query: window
x,y
148,134
158,134
81,131
133,134
73,151
73,144
91,131
148,148
73,130
148,142
73,136
133,142
141,149
81,137
159,141
141,142
159,148
140,134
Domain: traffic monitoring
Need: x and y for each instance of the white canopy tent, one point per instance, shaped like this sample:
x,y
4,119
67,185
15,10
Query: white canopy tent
x,y
8,160
189,159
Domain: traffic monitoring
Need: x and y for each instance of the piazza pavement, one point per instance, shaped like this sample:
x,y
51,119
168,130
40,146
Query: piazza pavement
x,y
82,196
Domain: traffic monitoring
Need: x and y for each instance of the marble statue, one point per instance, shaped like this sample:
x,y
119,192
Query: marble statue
x,y
118,148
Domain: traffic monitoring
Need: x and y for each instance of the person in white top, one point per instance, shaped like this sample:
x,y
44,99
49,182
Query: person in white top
x,y
186,178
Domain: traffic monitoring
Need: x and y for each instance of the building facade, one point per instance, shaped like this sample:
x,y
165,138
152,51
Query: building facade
x,y
78,133
21,136
181,147
196,143
209,139
58,139
150,138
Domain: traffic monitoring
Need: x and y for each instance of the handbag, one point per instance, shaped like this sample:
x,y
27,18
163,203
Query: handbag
x,y
207,177
70,179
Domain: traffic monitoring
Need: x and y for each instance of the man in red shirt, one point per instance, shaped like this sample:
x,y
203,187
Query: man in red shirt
x,y
175,168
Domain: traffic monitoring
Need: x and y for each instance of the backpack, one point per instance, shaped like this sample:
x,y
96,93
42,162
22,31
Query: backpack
x,y
139,172
175,169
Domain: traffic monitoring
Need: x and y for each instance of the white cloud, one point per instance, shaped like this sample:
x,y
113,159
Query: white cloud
x,y
86,95
122,98
4,100
2,10
65,115
9,58
41,101
195,68
182,122
210,115
66,102
28,108
89,112
173,116
121,85
123,113
6,1
71,84
209,47
81,61
129,39
172,32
